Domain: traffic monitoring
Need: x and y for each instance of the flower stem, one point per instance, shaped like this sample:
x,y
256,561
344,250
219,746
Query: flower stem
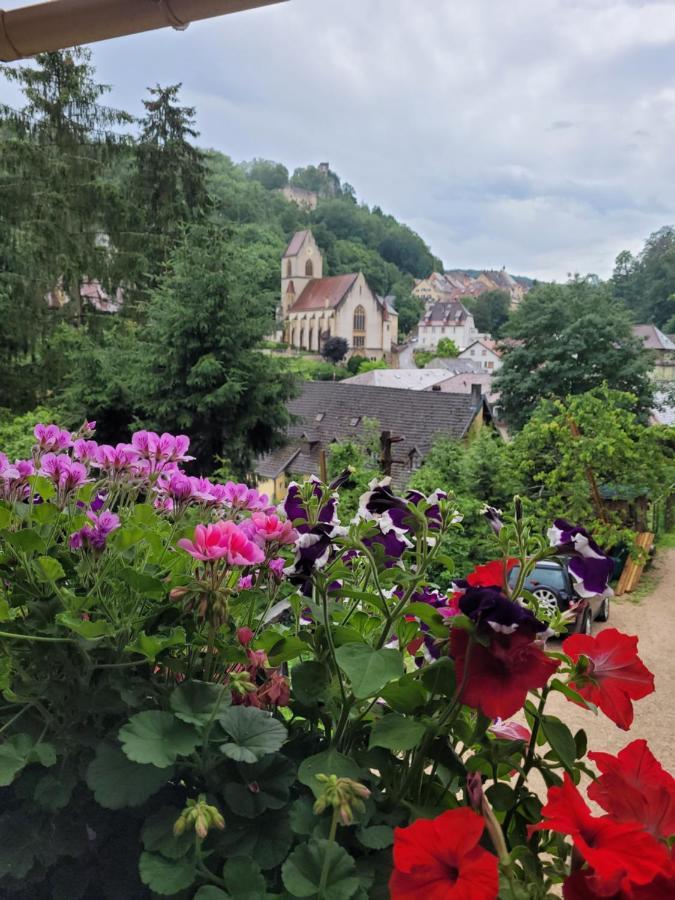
x,y
529,758
326,861
35,637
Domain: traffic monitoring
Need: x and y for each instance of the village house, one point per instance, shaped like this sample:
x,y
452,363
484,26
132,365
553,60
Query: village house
x,y
408,422
315,308
662,350
456,284
484,351
446,320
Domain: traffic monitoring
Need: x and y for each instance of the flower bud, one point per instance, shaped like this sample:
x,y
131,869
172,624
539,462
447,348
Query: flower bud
x,y
180,825
244,636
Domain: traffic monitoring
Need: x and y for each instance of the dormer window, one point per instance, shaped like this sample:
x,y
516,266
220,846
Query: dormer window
x,y
319,417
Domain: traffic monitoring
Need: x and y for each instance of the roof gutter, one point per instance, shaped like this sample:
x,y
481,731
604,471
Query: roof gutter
x,y
57,24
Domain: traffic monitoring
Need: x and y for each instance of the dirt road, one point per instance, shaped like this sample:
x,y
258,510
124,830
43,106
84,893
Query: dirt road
x,y
653,621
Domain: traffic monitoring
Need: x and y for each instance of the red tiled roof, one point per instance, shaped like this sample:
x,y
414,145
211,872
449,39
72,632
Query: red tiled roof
x,y
653,338
322,293
296,243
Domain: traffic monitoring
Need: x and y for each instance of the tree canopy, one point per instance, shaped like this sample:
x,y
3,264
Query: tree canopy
x,y
569,339
646,282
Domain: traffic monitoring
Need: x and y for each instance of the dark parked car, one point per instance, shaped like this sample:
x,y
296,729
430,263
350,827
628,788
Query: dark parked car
x,y
551,583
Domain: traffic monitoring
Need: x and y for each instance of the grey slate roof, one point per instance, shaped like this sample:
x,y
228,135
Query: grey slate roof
x,y
417,417
454,365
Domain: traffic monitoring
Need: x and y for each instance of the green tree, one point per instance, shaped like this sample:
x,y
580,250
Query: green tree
x,y
571,338
169,181
409,308
646,283
198,370
595,436
271,175
335,349
447,348
490,311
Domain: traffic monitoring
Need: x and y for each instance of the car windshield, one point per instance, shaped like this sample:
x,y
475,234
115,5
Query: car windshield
x,y
549,576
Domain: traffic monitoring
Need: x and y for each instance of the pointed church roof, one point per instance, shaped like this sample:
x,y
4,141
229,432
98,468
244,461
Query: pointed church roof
x,y
296,243
323,293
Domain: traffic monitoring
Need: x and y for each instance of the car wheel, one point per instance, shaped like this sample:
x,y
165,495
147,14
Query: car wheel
x,y
603,613
547,599
586,626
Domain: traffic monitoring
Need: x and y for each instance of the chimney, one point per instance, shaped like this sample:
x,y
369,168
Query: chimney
x,y
476,394
435,387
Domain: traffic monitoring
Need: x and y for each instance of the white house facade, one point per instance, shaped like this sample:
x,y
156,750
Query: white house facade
x,y
446,320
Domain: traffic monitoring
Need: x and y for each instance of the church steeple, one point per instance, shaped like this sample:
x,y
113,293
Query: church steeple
x,y
301,263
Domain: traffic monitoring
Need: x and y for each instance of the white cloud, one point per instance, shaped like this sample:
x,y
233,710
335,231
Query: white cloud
x,y
536,134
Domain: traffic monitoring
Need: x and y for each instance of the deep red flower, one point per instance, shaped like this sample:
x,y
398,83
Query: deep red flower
x,y
491,574
441,859
611,675
621,854
634,787
500,674
582,885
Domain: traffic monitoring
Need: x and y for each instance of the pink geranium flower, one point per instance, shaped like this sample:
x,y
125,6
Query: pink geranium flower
x,y
66,474
268,529
51,438
223,540
240,496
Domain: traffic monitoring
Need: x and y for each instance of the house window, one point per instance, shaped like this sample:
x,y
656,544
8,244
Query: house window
x,y
289,270
359,319
490,365
359,341
309,269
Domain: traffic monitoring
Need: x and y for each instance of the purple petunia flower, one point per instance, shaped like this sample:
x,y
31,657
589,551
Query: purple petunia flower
x,y
491,610
590,568
296,511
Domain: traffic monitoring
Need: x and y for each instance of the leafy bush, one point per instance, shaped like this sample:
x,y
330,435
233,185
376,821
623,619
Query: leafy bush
x,y
205,697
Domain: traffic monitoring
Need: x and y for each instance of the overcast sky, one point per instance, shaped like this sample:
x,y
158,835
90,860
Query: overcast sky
x,y
535,134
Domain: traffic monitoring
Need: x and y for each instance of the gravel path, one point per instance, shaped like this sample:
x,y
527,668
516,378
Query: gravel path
x,y
653,621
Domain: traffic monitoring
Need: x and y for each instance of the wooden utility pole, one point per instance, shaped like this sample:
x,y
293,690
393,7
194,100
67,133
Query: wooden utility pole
x,y
386,459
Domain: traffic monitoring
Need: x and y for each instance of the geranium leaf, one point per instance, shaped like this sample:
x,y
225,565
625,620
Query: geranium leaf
x,y
143,583
301,873
118,782
285,649
157,738
18,846
243,878
302,815
53,792
253,732
209,892
266,839
158,837
310,682
376,837
330,762
264,785
166,876
90,631
48,569
368,670
14,753
197,702
394,732
151,645
27,540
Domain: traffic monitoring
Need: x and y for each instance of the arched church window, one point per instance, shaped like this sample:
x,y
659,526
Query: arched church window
x,y
359,319
289,269
309,269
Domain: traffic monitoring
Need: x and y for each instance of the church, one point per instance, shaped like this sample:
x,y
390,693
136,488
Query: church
x,y
314,308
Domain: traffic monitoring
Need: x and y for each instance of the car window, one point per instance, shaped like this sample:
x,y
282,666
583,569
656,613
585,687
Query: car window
x,y
541,576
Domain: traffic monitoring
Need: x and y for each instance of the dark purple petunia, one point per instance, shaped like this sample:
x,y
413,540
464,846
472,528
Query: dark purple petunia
x,y
392,513
297,512
589,566
494,518
313,550
493,611
393,545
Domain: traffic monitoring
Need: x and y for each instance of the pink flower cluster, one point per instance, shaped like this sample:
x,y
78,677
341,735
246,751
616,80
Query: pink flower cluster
x,y
223,540
66,474
95,536
175,491
268,688
14,478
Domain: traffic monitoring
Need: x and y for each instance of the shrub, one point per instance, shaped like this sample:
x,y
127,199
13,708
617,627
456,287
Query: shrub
x,y
207,697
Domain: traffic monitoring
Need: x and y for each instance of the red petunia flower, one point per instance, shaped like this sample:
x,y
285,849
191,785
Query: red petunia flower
x,y
441,859
500,675
611,674
491,574
621,854
634,787
582,885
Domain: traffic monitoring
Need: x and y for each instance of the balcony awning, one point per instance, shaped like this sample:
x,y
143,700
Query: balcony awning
x,y
57,24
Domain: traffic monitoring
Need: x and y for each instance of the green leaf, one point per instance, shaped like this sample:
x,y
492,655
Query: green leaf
x,y
90,631
18,845
14,753
330,762
557,685
376,837
266,839
254,733
561,740
127,536
405,695
302,816
581,743
27,541
301,873
117,782
369,670
209,892
264,785
166,876
394,732
144,584
430,616
285,649
197,702
42,486
48,569
158,837
439,677
310,681
5,516
243,878
150,646
53,792
157,738
501,796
